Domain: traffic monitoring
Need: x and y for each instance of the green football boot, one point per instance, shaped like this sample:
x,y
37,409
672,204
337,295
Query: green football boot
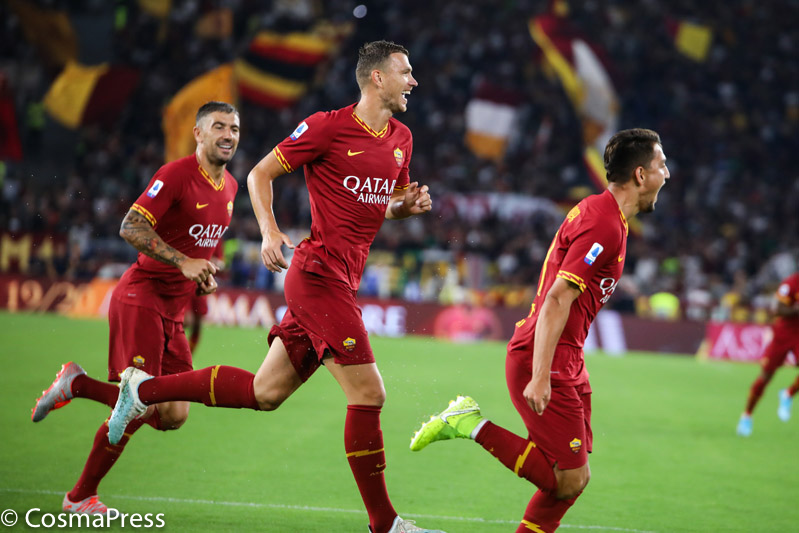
x,y
455,422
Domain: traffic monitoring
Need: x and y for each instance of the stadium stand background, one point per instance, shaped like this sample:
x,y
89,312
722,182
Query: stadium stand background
x,y
724,233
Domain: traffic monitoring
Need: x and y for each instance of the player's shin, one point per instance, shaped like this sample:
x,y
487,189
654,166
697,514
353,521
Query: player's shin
x,y
363,443
519,455
755,393
794,388
85,387
544,512
101,459
216,386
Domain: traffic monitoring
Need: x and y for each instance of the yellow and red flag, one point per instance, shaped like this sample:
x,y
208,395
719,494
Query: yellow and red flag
x,y
583,70
278,68
90,94
180,112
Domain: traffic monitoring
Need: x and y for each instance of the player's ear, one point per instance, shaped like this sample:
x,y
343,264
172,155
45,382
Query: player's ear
x,y
377,78
197,136
639,176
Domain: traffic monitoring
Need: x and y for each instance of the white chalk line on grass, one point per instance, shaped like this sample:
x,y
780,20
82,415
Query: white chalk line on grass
x,y
256,505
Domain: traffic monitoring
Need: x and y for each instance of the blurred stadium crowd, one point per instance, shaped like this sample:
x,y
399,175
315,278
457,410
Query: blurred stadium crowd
x,y
724,233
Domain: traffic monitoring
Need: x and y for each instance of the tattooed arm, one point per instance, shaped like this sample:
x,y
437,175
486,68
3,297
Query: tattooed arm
x,y
138,232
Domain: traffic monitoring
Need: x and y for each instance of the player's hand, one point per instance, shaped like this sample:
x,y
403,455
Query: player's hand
x,y
537,393
271,253
207,287
417,199
197,270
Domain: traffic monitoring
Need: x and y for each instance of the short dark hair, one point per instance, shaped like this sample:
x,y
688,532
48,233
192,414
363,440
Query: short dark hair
x,y
627,150
212,107
372,55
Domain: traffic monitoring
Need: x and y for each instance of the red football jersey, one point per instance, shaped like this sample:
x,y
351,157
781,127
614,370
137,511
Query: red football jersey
x,y
351,172
190,213
588,250
788,294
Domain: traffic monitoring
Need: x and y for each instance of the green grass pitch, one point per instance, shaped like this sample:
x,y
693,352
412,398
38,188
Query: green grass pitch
x,y
666,457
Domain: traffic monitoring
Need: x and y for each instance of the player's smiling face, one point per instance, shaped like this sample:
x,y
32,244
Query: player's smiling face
x,y
655,177
218,136
398,81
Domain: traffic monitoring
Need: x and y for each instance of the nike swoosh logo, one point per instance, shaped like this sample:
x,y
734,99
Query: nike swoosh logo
x,y
621,258
351,153
200,206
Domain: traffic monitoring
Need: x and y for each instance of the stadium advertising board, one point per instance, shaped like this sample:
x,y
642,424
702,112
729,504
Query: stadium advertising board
x,y
613,332
733,341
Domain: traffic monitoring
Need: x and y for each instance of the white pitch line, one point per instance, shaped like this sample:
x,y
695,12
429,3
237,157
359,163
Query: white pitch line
x,y
283,506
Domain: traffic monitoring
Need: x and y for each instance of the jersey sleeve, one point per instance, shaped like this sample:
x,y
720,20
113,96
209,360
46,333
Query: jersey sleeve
x,y
591,245
164,189
308,142
788,291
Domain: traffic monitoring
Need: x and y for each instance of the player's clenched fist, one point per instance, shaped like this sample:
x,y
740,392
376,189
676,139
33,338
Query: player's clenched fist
x,y
197,270
417,199
207,287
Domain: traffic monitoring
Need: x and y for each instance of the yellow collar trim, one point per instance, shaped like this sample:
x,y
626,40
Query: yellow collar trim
x,y
363,124
211,180
624,221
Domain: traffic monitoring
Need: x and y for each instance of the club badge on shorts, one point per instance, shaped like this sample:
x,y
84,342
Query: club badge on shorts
x,y
138,361
349,344
575,445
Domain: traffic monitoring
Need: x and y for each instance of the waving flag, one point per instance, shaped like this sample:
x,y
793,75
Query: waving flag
x,y
584,71
90,94
180,112
278,67
490,120
691,40
48,30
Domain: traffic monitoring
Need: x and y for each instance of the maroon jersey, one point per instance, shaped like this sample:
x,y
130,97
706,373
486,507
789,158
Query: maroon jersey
x,y
788,294
190,213
351,172
588,250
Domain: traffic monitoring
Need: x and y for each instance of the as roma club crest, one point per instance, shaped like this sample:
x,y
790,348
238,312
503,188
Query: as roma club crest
x,y
398,156
349,344
138,361
230,209
575,445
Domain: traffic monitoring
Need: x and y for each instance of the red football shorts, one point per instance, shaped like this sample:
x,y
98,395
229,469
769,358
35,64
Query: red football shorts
x,y
563,433
141,337
777,350
322,318
199,305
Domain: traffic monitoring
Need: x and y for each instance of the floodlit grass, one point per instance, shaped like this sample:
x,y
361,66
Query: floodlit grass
x,y
666,457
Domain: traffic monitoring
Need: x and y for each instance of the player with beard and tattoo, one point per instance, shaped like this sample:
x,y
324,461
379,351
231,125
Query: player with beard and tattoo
x,y
176,224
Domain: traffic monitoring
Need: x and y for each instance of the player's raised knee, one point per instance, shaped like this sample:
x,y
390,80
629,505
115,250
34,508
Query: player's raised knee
x,y
268,399
572,482
172,415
